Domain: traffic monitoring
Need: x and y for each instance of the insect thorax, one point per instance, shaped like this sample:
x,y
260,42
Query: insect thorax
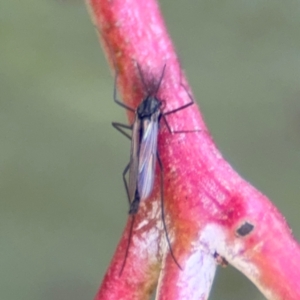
x,y
148,107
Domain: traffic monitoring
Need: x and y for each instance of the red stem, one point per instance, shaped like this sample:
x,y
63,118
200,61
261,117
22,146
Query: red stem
x,y
211,211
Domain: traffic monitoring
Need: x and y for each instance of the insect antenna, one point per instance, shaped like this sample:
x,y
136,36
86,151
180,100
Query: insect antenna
x,y
152,90
142,77
160,79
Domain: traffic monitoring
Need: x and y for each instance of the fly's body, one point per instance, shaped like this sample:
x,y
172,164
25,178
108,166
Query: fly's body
x,y
143,151
144,154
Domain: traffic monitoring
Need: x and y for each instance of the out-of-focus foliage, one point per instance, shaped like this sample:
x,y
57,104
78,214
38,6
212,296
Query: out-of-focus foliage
x,y
63,205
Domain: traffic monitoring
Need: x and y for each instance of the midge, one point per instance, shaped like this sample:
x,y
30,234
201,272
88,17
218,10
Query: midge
x,y
144,153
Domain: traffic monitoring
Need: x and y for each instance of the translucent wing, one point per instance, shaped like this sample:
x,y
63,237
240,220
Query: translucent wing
x,y
134,158
147,155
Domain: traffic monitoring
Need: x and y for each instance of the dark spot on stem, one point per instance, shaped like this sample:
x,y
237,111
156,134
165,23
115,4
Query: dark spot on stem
x,y
245,229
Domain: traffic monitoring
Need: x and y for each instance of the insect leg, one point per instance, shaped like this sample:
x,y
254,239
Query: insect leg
x,y
120,126
163,210
125,182
115,96
115,67
167,124
189,95
178,109
183,106
128,245
177,131
132,221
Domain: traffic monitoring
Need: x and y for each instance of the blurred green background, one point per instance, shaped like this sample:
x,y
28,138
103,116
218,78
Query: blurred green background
x,y
63,205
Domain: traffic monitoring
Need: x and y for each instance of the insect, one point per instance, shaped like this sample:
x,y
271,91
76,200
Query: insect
x,y
144,153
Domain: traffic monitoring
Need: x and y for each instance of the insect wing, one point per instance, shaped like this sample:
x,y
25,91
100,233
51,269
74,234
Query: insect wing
x,y
147,155
134,158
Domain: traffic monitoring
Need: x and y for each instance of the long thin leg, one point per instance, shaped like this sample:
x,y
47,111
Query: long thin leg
x,y
183,106
163,210
125,182
134,204
189,95
115,96
178,109
132,221
177,131
116,76
128,245
120,126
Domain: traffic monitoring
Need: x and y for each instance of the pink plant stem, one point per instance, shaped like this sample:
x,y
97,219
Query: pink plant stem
x,y
211,212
